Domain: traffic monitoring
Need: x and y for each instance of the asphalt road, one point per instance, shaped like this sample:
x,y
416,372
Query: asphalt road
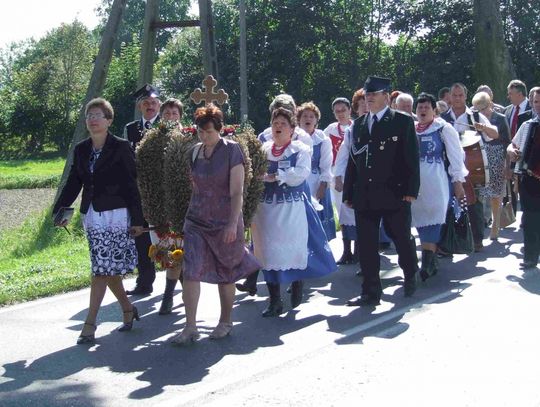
x,y
469,337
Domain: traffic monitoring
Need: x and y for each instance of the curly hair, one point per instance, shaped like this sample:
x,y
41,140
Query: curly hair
x,y
287,114
209,114
308,106
357,96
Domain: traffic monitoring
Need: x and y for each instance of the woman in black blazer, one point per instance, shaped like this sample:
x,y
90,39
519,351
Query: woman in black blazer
x,y
104,167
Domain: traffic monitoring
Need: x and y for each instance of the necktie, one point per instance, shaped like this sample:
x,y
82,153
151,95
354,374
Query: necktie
x,y
374,122
514,121
148,125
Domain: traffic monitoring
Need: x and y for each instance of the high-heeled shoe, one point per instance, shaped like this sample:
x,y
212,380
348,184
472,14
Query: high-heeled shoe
x,y
221,330
90,338
188,336
128,325
274,309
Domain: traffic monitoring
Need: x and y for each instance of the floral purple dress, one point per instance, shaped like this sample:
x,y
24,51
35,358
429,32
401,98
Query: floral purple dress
x,y
207,258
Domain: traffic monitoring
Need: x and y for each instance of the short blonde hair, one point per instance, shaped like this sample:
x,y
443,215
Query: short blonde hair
x,y
481,100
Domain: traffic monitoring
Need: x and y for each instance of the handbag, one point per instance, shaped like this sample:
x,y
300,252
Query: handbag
x,y
507,211
456,233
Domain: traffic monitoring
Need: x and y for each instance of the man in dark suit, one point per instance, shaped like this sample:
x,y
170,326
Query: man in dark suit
x,y
517,94
528,114
525,146
148,104
381,181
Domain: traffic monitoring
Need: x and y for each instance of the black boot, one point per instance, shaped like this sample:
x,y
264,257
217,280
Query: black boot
x,y
347,257
435,265
428,258
275,307
356,254
249,285
296,293
167,302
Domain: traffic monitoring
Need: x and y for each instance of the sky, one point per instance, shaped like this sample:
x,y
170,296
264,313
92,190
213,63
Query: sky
x,y
23,19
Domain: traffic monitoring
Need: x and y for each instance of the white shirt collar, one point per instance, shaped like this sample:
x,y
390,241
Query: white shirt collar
x,y
152,120
522,106
379,114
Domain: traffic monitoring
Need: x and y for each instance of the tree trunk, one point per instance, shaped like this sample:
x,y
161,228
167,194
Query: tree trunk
x,y
493,64
97,80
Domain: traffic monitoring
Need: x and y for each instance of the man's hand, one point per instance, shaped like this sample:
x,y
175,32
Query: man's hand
x,y
348,204
409,199
514,154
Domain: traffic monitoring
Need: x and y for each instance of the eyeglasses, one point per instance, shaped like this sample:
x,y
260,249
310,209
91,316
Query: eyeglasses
x,y
91,116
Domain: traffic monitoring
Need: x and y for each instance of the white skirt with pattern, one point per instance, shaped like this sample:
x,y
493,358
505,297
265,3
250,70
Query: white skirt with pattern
x,y
112,249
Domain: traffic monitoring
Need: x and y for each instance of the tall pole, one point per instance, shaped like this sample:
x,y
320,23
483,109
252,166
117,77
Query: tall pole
x,y
243,64
148,46
97,80
207,38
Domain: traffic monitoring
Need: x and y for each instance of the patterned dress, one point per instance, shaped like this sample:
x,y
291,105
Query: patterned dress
x,y
207,258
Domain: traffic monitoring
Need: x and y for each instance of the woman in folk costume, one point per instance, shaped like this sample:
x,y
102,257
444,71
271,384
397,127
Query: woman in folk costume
x,y
436,139
308,115
287,102
337,133
288,236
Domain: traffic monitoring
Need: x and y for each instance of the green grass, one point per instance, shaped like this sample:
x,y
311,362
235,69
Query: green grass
x,y
38,260
31,173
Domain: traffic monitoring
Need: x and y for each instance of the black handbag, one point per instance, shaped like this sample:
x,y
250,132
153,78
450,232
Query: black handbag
x,y
456,233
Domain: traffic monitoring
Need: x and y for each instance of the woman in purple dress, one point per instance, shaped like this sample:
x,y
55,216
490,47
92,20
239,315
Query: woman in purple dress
x,y
214,246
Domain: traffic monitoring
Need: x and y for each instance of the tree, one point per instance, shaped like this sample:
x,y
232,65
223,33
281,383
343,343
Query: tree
x,y
133,21
492,63
46,85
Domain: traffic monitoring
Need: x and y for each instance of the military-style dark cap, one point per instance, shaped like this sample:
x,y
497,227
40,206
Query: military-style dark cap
x,y
377,84
147,91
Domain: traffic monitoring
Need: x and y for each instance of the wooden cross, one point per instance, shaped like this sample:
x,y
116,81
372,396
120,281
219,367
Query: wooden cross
x,y
209,95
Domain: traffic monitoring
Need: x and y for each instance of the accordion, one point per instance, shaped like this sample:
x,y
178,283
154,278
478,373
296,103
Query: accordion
x,y
529,161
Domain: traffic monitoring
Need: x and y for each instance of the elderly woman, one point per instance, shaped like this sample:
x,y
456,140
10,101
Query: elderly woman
x,y
437,139
288,236
287,102
496,155
308,115
214,246
104,167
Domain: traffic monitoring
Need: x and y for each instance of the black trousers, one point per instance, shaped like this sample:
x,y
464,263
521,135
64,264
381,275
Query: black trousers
x,y
147,270
529,194
476,217
397,224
